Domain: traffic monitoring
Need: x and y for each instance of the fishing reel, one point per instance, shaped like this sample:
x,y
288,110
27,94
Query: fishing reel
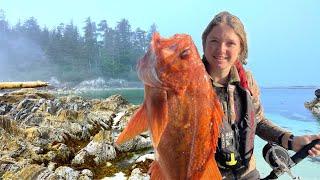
x,y
280,161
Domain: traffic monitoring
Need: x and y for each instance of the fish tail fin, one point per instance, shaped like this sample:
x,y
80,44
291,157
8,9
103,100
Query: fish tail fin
x,y
137,124
211,170
155,171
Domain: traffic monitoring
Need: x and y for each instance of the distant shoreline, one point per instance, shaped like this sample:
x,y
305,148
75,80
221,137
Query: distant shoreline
x,y
110,89
290,87
262,87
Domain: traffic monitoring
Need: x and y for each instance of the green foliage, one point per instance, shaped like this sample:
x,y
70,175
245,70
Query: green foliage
x,y
101,51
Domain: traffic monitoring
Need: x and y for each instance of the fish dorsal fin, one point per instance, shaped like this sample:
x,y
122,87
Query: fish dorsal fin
x,y
157,105
137,124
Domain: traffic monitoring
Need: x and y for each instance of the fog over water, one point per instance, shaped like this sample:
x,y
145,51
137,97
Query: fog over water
x,y
22,59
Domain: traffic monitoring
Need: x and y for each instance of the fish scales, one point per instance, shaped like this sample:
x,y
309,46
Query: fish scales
x,y
180,109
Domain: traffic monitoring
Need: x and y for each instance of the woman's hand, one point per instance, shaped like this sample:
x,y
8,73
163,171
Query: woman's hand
x,y
301,141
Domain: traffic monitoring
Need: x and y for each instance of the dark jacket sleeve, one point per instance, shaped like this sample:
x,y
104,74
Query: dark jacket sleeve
x,y
266,129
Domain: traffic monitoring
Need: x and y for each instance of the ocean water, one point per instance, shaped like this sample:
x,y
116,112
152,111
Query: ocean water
x,y
134,95
284,106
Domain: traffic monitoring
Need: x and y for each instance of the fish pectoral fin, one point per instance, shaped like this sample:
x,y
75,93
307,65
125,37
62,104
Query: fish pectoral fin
x,y
156,103
158,121
155,171
137,124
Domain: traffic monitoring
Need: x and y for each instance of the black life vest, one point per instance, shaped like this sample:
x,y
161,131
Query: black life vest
x,y
236,141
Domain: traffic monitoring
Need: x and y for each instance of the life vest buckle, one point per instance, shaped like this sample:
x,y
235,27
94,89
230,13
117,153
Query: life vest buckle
x,y
232,161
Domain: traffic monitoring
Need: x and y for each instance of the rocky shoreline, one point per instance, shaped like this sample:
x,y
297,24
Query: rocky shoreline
x,y
43,136
314,105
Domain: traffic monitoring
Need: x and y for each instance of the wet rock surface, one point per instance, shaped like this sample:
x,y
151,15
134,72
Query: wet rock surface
x,y
314,105
43,136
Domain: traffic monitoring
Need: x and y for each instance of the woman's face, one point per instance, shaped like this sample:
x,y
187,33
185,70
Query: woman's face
x,y
222,48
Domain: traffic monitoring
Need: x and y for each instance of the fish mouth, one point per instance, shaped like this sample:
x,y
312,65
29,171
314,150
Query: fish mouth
x,y
147,72
155,80
152,79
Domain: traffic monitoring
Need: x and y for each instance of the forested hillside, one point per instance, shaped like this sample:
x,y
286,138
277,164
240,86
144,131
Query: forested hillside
x,y
68,52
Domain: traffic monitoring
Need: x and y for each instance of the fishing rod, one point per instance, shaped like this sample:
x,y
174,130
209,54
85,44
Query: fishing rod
x,y
280,161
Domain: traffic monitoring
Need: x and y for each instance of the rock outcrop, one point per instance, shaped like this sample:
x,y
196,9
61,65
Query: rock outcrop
x,y
314,105
317,93
47,137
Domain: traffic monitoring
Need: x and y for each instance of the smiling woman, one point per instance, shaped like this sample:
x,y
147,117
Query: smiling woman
x,y
225,50
222,51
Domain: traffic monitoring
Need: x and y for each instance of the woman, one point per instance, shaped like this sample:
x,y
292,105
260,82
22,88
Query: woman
x,y
225,50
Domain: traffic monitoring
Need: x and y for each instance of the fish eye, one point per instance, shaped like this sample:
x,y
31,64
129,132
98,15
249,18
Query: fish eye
x,y
185,53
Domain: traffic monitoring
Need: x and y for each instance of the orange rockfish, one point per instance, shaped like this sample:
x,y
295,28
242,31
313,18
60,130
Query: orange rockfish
x,y
180,109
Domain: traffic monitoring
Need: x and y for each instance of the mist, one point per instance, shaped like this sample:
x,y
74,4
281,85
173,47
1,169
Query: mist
x,y
69,53
21,59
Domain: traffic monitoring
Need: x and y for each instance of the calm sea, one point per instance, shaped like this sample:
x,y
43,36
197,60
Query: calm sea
x,y
284,106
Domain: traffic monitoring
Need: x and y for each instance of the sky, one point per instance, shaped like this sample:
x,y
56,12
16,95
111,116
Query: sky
x,y
283,36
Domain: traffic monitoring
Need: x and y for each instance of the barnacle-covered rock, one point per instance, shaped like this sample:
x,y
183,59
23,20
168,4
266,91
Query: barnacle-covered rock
x,y
68,137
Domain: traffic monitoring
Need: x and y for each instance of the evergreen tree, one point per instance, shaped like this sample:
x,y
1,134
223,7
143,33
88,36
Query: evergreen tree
x,y
111,65
44,38
4,27
101,30
102,50
139,45
32,29
122,46
4,33
17,30
56,45
91,46
71,42
153,29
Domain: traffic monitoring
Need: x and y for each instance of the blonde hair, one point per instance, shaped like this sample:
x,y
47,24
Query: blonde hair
x,y
235,23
